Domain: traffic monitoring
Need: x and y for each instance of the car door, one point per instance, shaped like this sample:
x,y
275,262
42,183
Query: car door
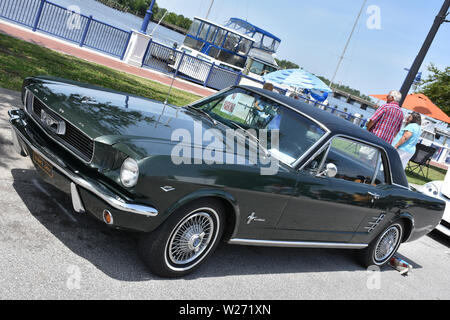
x,y
332,208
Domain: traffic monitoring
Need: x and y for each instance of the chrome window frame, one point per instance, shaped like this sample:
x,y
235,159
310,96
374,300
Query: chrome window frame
x,y
378,147
319,124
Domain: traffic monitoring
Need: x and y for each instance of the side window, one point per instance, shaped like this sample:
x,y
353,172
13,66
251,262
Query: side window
x,y
355,161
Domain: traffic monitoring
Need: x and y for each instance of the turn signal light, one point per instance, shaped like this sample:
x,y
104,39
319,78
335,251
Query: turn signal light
x,y
107,217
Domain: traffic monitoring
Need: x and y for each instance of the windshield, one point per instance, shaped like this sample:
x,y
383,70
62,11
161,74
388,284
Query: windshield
x,y
239,108
260,68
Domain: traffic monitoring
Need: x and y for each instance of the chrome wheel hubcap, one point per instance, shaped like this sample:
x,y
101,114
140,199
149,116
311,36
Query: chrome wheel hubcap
x,y
387,243
191,238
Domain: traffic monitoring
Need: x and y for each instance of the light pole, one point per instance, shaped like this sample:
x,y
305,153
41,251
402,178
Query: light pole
x,y
147,18
440,19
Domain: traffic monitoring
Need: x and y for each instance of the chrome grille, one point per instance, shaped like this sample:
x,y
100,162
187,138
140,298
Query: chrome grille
x,y
73,138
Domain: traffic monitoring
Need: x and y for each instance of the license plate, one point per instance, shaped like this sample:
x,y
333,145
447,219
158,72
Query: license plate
x,y
43,164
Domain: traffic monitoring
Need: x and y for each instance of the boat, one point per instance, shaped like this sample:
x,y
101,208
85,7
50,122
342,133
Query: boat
x,y
261,57
238,46
428,135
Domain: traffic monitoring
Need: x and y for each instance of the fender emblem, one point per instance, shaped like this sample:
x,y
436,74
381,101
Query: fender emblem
x,y
251,218
167,188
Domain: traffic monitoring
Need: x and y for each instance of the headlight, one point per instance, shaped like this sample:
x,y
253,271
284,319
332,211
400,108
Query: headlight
x,y
129,173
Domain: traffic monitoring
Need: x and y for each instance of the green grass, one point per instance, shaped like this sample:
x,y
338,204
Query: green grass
x,y
20,59
433,174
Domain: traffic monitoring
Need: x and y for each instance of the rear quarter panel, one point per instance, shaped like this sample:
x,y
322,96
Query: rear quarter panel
x,y
421,213
426,211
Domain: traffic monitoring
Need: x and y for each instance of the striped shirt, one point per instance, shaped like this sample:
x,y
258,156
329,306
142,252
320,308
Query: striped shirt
x,y
387,121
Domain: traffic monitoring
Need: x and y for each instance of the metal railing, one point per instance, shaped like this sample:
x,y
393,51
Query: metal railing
x,y
20,11
172,61
48,17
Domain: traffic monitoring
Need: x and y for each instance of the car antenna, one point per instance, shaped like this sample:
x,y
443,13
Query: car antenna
x,y
171,86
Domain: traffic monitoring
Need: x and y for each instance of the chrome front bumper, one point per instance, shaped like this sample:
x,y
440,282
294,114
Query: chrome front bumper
x,y
76,179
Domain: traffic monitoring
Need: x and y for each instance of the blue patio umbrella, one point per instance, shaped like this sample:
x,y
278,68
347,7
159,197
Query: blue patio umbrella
x,y
297,78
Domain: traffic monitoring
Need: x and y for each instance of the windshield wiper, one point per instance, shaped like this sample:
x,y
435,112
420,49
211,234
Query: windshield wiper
x,y
204,113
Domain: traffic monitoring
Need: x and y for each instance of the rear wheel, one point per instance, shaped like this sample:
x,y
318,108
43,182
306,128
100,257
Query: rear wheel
x,y
382,248
185,240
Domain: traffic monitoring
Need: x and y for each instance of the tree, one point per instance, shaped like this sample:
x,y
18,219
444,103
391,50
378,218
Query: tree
x,y
160,14
171,18
284,64
437,87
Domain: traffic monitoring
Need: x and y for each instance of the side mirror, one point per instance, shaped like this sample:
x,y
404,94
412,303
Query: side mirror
x,y
330,171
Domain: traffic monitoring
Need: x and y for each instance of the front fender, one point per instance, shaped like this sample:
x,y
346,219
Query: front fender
x,y
230,203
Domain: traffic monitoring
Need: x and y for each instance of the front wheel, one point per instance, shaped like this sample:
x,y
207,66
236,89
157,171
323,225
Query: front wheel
x,y
185,240
382,248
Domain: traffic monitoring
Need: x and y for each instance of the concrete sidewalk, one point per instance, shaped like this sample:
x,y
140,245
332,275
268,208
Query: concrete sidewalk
x,y
93,56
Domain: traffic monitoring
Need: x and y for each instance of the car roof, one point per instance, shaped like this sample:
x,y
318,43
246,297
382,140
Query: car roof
x,y
339,126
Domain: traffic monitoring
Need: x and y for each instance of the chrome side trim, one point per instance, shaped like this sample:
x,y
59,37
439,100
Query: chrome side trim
x,y
297,244
99,190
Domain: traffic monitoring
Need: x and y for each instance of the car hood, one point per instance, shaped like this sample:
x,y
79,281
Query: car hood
x,y
110,117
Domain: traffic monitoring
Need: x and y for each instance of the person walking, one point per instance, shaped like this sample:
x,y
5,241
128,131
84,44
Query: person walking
x,y
406,140
387,120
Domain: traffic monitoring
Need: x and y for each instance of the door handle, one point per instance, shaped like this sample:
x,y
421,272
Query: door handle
x,y
375,196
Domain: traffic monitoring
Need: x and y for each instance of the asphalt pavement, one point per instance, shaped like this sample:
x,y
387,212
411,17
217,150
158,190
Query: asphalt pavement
x,y
47,251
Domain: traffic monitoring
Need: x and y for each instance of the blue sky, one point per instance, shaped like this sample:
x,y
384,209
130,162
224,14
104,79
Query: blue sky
x,y
314,33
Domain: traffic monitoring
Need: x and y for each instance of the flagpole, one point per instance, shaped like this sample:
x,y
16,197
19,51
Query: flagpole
x,y
209,10
346,45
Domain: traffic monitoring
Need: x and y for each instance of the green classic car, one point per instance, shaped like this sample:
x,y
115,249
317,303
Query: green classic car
x,y
245,165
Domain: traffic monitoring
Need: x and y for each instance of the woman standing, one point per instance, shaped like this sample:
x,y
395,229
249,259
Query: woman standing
x,y
407,138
